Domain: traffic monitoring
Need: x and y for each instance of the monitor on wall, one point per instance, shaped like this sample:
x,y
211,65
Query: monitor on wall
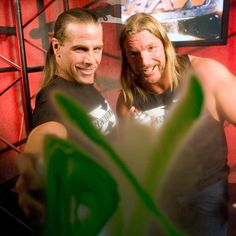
x,y
187,22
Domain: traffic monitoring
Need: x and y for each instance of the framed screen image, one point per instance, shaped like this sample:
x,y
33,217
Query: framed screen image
x,y
187,22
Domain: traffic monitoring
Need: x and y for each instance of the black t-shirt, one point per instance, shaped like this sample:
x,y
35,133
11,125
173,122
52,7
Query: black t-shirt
x,y
86,95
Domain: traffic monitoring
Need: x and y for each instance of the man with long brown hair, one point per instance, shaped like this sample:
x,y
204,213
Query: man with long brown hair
x,y
74,56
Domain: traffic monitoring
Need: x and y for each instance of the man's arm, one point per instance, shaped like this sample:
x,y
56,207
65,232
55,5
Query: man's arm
x,y
225,95
34,142
30,182
219,86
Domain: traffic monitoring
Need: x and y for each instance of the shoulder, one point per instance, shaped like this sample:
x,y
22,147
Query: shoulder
x,y
44,109
210,71
46,90
219,86
199,63
205,65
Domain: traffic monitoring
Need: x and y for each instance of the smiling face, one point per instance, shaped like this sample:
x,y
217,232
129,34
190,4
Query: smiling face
x,y
146,56
79,56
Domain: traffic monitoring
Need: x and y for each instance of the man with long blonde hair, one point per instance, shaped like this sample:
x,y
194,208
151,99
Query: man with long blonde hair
x,y
152,76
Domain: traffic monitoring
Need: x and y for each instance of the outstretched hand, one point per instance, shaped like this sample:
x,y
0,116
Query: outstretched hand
x,y
30,186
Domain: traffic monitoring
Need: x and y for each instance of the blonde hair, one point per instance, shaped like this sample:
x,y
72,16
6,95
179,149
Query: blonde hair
x,y
77,15
135,24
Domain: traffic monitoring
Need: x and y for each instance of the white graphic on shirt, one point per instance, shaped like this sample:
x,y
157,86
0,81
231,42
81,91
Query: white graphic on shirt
x,y
155,116
103,118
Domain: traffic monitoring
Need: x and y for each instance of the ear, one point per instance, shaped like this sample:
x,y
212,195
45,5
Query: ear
x,y
56,47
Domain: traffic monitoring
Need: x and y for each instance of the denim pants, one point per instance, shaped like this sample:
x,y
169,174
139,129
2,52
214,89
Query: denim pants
x,y
206,210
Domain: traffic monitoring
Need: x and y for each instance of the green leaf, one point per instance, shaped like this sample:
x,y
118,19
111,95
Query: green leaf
x,y
79,118
173,132
81,195
171,135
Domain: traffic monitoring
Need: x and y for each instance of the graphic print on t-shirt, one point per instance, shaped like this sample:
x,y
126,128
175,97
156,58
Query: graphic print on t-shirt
x,y
155,116
103,118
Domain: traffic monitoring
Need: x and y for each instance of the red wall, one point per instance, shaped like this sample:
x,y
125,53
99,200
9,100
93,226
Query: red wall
x,y
11,110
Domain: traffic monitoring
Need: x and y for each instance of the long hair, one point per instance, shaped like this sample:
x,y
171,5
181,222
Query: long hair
x,y
77,15
136,24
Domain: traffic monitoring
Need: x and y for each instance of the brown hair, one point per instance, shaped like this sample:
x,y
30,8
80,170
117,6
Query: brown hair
x,y
77,15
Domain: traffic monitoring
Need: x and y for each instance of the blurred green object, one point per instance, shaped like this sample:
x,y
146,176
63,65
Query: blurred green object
x,y
171,135
81,195
75,181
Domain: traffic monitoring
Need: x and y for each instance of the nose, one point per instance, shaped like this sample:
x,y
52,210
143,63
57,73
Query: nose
x,y
89,57
145,58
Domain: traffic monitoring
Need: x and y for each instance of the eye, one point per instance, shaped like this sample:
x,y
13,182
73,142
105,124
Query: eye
x,y
133,54
80,49
152,48
98,49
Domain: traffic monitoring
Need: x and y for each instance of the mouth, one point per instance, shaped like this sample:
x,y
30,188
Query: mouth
x,y
150,70
86,71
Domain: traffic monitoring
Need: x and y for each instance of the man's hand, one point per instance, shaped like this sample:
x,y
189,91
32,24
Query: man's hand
x,y
30,186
